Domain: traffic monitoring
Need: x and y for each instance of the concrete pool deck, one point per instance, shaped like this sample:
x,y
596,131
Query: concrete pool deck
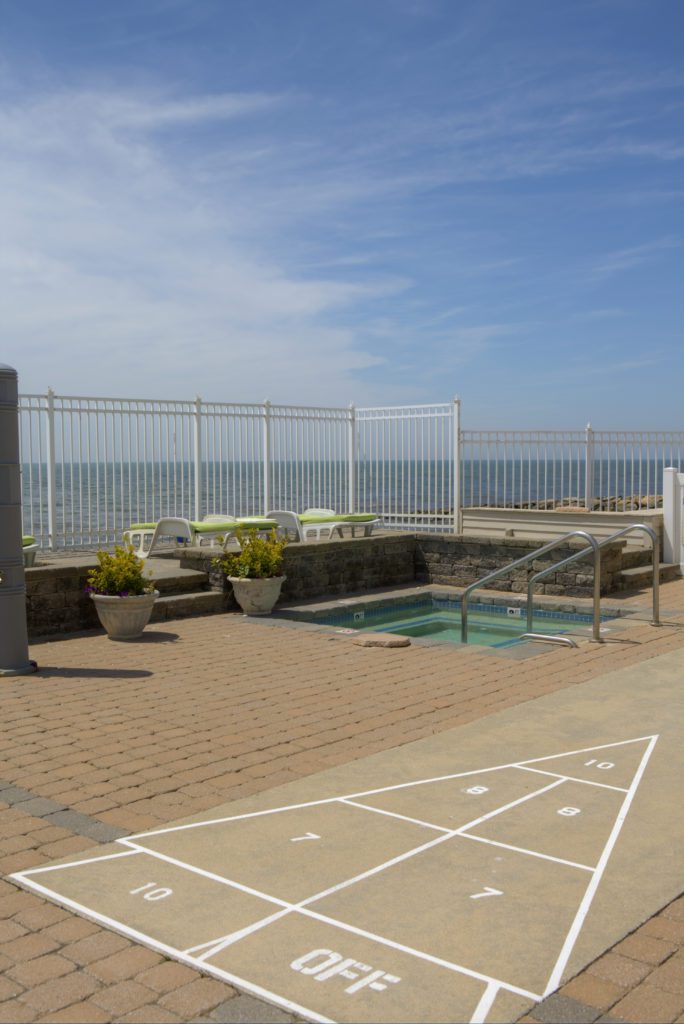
x,y
113,739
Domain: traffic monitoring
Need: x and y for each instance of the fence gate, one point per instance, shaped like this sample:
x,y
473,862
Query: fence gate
x,y
408,465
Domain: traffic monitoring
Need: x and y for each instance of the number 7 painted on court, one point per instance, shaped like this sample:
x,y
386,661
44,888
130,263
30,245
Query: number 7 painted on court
x,y
488,891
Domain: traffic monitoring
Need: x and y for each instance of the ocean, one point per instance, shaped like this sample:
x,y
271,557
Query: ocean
x,y
95,501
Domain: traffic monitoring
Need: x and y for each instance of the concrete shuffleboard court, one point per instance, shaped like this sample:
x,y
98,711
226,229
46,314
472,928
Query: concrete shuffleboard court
x,y
462,877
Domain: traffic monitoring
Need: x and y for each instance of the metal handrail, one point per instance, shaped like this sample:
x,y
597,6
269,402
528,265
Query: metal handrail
x,y
549,638
597,587
656,565
595,548
528,558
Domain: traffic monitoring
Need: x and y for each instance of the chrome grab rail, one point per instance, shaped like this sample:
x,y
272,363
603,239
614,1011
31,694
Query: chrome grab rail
x,y
595,546
549,638
597,583
656,565
528,558
655,561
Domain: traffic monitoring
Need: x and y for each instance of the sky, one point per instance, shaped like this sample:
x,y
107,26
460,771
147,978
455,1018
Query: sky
x,y
325,202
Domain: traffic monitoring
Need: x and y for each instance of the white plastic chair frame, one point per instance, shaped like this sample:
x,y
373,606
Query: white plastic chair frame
x,y
291,523
179,531
366,528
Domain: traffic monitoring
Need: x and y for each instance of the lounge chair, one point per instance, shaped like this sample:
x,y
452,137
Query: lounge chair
x,y
323,523
353,521
172,531
29,547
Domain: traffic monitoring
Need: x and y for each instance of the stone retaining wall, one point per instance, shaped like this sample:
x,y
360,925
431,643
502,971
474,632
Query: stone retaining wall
x,y
316,570
56,602
334,568
460,561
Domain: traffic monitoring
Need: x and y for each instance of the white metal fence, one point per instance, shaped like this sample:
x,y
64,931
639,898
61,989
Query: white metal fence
x,y
93,466
598,469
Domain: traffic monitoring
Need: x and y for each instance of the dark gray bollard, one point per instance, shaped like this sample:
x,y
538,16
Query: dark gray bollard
x,y
14,659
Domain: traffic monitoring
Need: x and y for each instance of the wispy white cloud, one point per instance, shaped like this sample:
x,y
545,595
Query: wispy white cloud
x,y
439,318
634,256
129,112
113,254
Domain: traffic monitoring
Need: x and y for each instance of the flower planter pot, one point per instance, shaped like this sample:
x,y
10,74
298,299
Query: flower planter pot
x,y
257,597
124,618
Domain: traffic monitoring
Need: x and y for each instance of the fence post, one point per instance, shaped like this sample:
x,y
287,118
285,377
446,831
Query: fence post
x,y
267,457
589,468
197,455
458,511
51,491
672,516
351,459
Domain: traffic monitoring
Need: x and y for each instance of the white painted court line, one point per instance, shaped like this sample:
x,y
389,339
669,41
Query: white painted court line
x,y
95,915
304,904
587,750
484,1006
171,951
393,814
493,985
381,789
568,945
216,945
572,778
232,936
214,877
21,875
506,807
391,944
529,853
421,849
445,835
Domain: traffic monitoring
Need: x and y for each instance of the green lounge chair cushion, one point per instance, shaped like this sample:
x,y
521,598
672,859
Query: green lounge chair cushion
x,y
349,517
247,523
28,539
243,523
214,527
257,523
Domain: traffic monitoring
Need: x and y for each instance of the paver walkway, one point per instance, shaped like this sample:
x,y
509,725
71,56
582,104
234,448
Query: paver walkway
x,y
110,739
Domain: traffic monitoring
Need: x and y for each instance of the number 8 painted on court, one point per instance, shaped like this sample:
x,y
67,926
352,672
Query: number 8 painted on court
x,y
568,812
156,894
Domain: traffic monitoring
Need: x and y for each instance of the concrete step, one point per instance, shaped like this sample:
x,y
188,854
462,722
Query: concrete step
x,y
640,576
182,581
631,559
170,578
186,606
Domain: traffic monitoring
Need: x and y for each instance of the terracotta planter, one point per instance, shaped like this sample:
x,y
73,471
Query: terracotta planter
x,y
257,597
124,618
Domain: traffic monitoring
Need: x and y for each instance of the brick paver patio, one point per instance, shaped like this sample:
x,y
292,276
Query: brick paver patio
x,y
112,738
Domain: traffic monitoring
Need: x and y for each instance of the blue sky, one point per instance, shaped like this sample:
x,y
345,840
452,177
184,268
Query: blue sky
x,y
334,201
